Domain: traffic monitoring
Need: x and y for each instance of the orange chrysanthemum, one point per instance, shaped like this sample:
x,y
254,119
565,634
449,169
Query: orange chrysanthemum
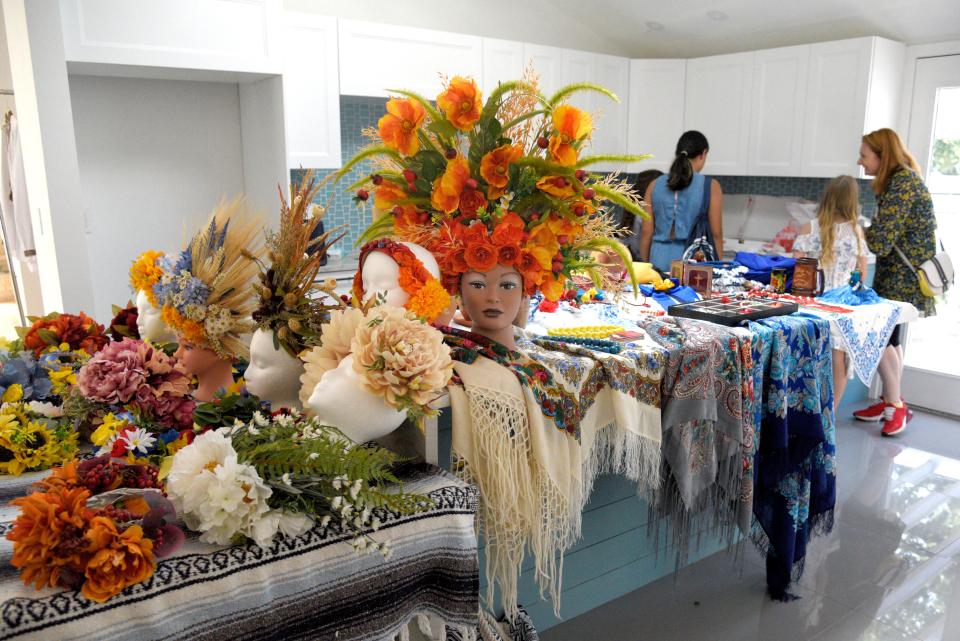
x,y
571,125
495,168
461,102
556,186
448,187
47,535
120,559
429,301
145,273
398,127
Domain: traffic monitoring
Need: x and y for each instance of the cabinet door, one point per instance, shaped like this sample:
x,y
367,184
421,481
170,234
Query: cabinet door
x,y
610,118
580,66
311,92
717,103
836,107
779,83
378,57
502,61
655,108
547,63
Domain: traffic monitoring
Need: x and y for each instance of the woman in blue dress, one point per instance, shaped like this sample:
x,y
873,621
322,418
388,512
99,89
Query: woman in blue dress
x,y
675,200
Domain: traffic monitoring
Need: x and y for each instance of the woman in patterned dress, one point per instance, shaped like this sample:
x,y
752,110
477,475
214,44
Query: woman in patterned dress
x,y
904,220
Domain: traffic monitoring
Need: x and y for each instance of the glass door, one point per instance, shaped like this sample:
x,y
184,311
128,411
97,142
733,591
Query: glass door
x,y
931,376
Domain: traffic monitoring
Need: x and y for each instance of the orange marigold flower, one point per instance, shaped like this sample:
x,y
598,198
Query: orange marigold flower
x,y
120,559
552,287
429,301
556,186
461,102
448,187
571,125
145,273
495,168
481,257
509,230
61,478
472,201
47,535
387,195
398,127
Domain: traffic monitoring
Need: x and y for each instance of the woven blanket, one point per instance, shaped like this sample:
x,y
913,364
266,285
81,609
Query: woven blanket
x,y
310,587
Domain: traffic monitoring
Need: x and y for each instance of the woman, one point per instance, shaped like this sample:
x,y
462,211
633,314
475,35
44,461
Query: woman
x,y
629,222
904,221
674,202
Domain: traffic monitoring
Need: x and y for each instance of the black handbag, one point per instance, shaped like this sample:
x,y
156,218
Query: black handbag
x,y
701,246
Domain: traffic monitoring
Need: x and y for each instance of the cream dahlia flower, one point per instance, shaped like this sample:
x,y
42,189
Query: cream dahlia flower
x,y
401,357
335,339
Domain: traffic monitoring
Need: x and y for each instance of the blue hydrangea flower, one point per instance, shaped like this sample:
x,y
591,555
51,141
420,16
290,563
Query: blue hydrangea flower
x,y
30,375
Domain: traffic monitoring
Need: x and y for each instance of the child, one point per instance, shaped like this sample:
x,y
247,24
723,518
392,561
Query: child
x,y
835,237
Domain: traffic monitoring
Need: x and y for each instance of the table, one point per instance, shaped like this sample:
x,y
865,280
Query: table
x,y
312,586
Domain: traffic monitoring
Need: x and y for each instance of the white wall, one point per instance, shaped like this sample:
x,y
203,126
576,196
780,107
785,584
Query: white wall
x,y
155,157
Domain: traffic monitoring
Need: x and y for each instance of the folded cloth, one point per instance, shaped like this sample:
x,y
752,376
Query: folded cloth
x,y
760,266
672,296
847,295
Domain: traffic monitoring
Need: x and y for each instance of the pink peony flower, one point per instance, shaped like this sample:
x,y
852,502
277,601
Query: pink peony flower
x,y
115,374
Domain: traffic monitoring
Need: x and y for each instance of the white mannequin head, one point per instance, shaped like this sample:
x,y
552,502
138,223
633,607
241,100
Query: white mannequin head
x,y
380,273
273,374
337,398
149,324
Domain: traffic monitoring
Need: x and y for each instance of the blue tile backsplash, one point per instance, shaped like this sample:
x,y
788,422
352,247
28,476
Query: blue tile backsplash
x,y
358,113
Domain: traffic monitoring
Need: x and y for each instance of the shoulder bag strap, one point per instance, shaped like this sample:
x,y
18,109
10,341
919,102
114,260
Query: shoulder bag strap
x,y
904,258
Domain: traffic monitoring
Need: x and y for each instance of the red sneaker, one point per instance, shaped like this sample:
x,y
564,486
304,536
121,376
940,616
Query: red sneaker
x,y
897,423
873,413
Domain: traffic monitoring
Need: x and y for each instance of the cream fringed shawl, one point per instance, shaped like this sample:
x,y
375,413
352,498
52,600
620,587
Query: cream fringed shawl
x,y
534,477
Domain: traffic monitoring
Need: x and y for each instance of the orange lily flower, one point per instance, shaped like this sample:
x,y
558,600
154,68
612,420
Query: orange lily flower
x,y
398,127
461,103
495,168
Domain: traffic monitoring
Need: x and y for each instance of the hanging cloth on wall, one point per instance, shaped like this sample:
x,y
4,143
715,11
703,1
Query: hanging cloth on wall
x,y
14,205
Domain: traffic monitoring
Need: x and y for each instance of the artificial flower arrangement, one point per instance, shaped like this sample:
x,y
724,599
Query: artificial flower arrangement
x,y
226,409
33,436
291,304
23,378
97,525
396,354
203,291
281,474
78,332
498,181
124,322
145,274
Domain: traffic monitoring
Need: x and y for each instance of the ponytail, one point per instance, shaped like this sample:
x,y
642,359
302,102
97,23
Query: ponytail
x,y
690,145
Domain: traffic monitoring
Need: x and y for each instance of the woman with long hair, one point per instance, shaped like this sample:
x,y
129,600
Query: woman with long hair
x,y
903,224
675,201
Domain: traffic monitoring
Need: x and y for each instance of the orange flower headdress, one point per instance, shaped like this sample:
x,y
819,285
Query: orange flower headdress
x,y
498,181
427,299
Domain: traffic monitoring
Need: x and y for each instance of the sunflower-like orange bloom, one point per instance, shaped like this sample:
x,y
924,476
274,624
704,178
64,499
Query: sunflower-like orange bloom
x,y
145,273
448,187
556,186
571,125
398,127
47,535
495,168
461,102
120,559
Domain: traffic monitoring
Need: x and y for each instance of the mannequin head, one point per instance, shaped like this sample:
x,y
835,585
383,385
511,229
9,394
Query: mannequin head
x,y
492,300
381,273
213,372
273,374
150,325
340,393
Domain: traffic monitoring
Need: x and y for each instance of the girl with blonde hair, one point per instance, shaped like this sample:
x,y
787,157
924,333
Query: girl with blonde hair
x,y
835,237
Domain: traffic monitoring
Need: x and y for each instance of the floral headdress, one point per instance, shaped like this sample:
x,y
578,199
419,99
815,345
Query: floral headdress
x,y
204,290
145,273
428,299
502,181
295,254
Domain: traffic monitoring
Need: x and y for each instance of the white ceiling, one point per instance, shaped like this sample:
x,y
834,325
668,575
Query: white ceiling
x,y
689,27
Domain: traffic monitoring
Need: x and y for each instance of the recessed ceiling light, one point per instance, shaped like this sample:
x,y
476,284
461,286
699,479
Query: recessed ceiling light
x,y
653,25
717,15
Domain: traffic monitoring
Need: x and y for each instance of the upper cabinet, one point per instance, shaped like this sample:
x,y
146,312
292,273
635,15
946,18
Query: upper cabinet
x,y
311,91
853,87
776,123
375,58
655,111
548,63
717,103
223,35
502,61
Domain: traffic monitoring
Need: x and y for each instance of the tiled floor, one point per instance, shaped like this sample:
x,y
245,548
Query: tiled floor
x,y
890,571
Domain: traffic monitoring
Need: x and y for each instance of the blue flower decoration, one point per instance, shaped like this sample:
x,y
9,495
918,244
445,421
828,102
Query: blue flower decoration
x,y
30,375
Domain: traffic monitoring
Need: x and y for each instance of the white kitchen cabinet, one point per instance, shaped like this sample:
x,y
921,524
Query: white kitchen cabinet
x,y
579,66
219,35
610,118
377,57
311,92
779,96
717,103
502,61
853,87
548,63
655,111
